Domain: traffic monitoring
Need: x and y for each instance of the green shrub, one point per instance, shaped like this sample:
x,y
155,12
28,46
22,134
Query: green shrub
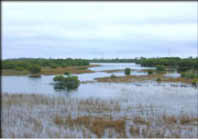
x,y
34,69
69,82
158,80
150,72
195,82
189,75
53,66
112,76
160,68
67,73
127,71
59,78
19,68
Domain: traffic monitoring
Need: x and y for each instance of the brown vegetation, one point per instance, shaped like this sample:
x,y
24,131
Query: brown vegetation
x,y
143,78
52,71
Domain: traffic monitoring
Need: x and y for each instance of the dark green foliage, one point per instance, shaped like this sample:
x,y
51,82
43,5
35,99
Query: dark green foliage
x,y
69,82
150,72
27,63
158,80
127,71
34,69
113,76
189,75
195,82
67,73
19,68
180,64
160,68
59,78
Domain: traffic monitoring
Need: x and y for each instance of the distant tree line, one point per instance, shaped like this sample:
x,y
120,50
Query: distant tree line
x,y
180,64
34,64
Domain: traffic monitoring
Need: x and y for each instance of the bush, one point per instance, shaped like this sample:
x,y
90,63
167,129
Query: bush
x,y
127,71
195,82
59,78
34,69
189,75
67,73
69,82
160,68
150,72
19,68
112,76
158,80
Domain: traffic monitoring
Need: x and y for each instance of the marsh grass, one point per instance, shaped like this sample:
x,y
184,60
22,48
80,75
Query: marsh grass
x,y
44,116
53,70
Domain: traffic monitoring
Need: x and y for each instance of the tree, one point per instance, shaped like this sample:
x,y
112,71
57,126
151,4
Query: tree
x,y
34,69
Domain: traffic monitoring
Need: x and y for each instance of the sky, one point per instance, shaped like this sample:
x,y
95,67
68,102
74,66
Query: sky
x,y
99,29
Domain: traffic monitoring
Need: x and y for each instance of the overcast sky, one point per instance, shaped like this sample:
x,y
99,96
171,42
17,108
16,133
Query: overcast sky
x,y
99,29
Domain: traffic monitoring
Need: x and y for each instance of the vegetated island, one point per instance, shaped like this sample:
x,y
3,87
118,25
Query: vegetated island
x,y
187,67
25,66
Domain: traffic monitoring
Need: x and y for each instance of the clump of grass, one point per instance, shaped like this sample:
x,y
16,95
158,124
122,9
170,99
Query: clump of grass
x,y
184,119
195,82
58,120
141,120
96,124
169,119
158,80
135,130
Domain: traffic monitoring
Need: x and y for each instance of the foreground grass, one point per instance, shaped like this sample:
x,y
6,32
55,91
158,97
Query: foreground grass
x,y
53,71
42,116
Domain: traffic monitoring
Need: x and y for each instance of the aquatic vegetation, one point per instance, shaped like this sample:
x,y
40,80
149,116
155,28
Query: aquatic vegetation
x,y
127,71
113,76
69,82
160,68
195,82
43,116
189,75
158,80
38,75
150,72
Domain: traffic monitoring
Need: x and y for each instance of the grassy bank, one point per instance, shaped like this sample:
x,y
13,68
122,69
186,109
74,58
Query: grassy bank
x,y
42,116
52,71
153,77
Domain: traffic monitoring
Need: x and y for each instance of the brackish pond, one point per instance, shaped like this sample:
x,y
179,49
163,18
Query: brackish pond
x,y
172,97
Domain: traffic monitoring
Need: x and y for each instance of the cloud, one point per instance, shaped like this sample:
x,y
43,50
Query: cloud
x,y
97,28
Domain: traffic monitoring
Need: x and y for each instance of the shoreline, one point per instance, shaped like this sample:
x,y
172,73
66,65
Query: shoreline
x,y
53,71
